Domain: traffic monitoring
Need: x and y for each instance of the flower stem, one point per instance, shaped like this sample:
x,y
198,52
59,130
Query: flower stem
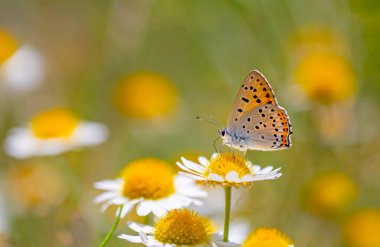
x,y
227,192
149,219
109,235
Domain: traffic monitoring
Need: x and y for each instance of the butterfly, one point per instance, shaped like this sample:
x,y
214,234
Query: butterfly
x,y
256,121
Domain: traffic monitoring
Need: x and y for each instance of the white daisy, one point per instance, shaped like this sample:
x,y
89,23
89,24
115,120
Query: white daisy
x,y
227,169
181,227
53,132
24,70
152,186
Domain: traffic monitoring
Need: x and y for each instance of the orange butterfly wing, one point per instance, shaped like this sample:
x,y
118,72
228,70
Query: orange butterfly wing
x,y
254,92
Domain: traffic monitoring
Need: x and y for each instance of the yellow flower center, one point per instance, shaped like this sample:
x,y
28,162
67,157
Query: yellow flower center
x,y
363,229
8,46
326,77
183,227
267,237
55,123
145,95
148,178
330,193
224,163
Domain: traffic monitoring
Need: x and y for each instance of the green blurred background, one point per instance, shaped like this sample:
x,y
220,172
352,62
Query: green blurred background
x,y
321,58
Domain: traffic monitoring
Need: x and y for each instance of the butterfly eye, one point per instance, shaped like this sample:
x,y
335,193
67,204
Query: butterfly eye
x,y
223,132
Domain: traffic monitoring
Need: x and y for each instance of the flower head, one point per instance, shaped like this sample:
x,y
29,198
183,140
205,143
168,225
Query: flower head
x,y
267,237
179,227
326,77
227,169
53,132
145,95
362,229
183,227
328,193
150,184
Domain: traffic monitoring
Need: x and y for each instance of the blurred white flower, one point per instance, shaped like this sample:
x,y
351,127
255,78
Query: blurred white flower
x,y
152,186
53,132
24,70
3,214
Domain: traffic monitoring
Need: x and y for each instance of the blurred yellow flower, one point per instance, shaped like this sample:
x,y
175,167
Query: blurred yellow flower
x,y
53,132
326,77
316,38
151,185
329,193
8,45
145,95
36,186
267,237
363,229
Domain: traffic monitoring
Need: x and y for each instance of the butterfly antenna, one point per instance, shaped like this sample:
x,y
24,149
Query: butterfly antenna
x,y
210,121
213,120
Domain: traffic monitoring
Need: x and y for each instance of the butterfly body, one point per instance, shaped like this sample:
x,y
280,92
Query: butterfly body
x,y
257,121
233,140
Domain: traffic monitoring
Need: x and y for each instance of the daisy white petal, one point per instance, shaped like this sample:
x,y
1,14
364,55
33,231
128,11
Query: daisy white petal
x,y
256,168
196,177
215,177
266,170
186,168
144,208
140,227
130,238
232,176
108,184
104,197
192,165
24,70
225,244
127,207
90,133
203,161
159,209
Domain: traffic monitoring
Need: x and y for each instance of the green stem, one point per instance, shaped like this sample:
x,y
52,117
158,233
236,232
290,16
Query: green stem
x,y
227,192
149,219
110,233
